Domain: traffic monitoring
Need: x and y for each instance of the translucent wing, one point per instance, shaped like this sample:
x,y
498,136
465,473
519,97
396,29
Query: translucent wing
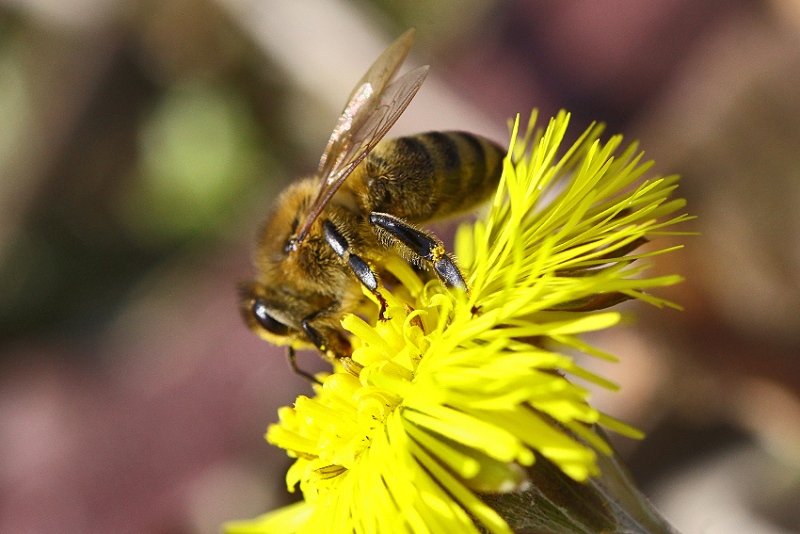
x,y
374,106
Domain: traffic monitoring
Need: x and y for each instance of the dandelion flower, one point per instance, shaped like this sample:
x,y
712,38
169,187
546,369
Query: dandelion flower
x,y
454,395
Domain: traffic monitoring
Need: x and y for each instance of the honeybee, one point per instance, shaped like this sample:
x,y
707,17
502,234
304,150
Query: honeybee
x,y
328,235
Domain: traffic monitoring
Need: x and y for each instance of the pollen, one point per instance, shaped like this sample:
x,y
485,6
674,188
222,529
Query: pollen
x,y
438,252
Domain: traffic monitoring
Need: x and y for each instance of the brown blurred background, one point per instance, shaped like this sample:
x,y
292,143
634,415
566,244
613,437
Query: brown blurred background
x,y
141,142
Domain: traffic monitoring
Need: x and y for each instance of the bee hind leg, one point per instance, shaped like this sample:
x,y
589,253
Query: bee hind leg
x,y
424,246
360,268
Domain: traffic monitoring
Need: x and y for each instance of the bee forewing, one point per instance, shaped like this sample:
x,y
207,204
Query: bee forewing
x,y
370,127
384,68
366,119
340,137
386,109
371,84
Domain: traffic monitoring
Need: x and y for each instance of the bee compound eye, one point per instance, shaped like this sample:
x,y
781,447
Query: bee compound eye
x,y
267,321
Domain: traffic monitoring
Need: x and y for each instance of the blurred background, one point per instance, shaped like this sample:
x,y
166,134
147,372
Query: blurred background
x,y
142,142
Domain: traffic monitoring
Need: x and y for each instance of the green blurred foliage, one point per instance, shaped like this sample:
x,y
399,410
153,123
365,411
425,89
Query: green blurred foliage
x,y
172,147
199,154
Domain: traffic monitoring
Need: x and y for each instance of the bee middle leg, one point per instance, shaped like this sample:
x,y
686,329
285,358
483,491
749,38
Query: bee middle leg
x,y
360,268
424,246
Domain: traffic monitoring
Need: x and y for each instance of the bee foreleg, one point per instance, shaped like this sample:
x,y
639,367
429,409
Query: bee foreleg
x,y
328,341
314,335
425,246
360,268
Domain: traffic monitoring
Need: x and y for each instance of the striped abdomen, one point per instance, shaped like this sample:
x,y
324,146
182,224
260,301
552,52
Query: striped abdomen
x,y
429,176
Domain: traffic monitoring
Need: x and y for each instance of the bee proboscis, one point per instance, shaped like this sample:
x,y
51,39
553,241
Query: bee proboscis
x,y
330,234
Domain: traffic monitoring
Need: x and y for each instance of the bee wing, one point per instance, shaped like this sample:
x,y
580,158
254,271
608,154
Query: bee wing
x,y
366,91
373,108
384,68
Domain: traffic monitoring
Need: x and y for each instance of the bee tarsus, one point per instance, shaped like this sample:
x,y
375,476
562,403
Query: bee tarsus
x,y
423,246
342,249
360,268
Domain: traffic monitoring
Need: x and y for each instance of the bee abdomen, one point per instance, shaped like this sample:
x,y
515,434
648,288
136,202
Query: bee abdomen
x,y
432,175
475,175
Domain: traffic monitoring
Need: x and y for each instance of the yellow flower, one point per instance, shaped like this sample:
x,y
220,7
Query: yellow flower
x,y
453,395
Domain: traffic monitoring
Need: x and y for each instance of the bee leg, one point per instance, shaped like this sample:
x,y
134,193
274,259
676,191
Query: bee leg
x,y
425,246
359,267
292,357
328,341
313,334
